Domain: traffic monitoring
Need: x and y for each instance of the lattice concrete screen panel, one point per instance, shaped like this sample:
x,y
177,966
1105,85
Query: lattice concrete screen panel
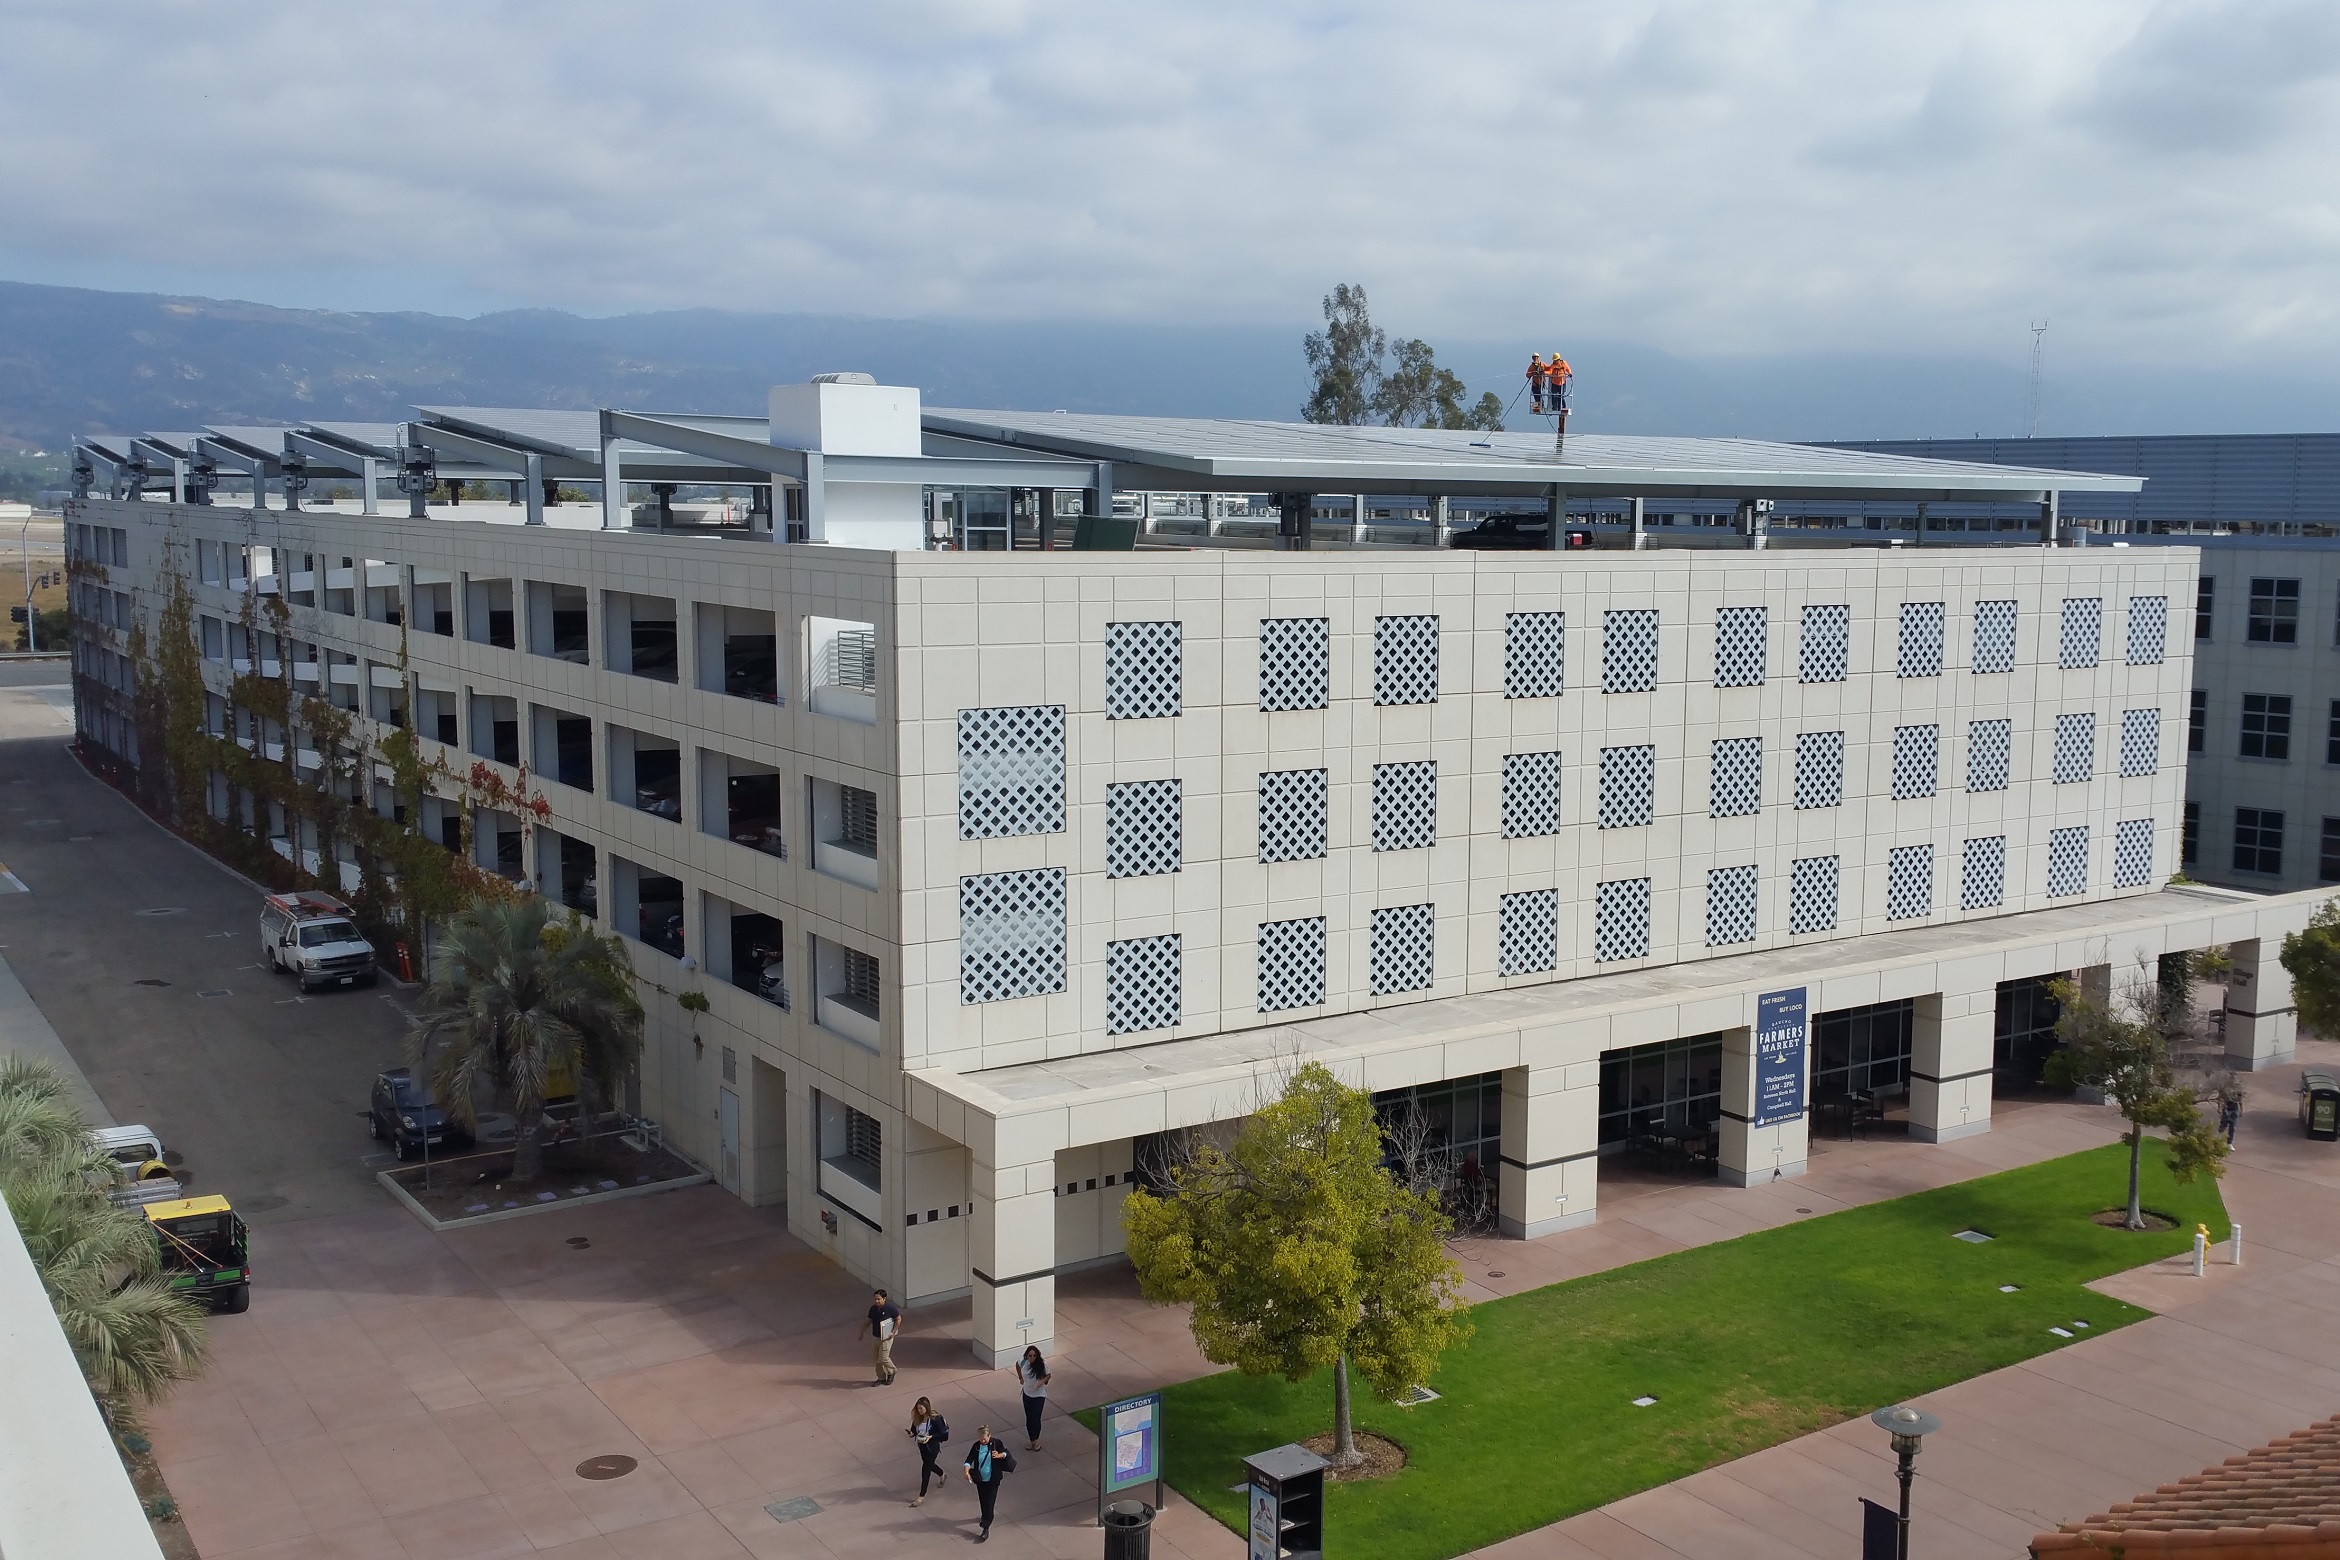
x,y
1921,639
1990,747
1405,660
2133,853
1909,882
2067,868
1994,637
1628,787
1143,820
2148,630
1292,821
1982,873
1812,894
1011,771
1741,648
1142,984
1621,920
2140,741
2075,758
1629,651
1291,964
1819,769
1535,659
1402,957
1142,670
1826,652
2080,641
1735,788
1527,937
1295,663
1730,906
1405,805
1916,761
1011,935
1531,795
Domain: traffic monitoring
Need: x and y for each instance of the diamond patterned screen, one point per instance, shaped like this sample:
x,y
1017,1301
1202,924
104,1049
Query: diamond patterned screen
x,y
1916,755
2148,629
1528,933
1819,769
1141,984
1292,815
2081,640
1740,647
1982,874
1011,935
1295,663
2075,748
1011,771
1405,660
1730,906
1291,964
1990,747
1621,920
1812,894
1402,948
1405,806
1628,787
1921,639
1629,651
1531,795
1909,882
1141,670
2067,861
1827,646
2140,741
1736,788
1535,663
1994,637
2133,853
1142,824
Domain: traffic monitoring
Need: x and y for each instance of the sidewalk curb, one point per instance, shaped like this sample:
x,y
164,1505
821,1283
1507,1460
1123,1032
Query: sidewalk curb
x,y
434,1222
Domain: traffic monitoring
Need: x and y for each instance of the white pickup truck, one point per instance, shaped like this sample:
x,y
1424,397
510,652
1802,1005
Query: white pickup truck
x,y
312,937
145,1178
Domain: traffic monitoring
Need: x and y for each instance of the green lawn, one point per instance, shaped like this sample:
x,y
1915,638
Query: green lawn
x,y
1744,1344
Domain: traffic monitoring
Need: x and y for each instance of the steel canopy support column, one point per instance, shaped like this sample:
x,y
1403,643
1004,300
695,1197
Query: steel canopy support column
x,y
1951,1050
1752,1155
1295,521
1556,514
369,485
1549,1171
1044,504
2050,520
613,481
816,525
1357,522
532,489
1640,527
1012,1258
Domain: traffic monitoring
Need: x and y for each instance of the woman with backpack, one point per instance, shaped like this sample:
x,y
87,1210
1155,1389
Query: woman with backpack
x,y
988,1462
1032,1372
932,1432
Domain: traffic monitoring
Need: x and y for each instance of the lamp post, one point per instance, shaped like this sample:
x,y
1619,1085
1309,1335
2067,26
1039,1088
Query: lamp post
x,y
1908,1427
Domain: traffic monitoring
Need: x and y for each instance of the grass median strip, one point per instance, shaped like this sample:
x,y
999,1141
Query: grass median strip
x,y
1741,1345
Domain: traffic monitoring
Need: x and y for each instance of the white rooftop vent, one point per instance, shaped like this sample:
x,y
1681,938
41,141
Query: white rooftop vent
x,y
842,379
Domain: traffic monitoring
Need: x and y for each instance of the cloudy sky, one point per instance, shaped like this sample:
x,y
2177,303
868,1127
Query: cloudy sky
x,y
2156,179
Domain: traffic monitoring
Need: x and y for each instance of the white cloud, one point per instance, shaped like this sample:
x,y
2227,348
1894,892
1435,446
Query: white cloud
x,y
1706,176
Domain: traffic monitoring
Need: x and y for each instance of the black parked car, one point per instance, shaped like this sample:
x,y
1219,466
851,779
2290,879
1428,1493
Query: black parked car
x,y
1523,533
401,1111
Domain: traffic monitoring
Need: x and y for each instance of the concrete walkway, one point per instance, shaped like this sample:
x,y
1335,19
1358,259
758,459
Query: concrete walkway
x,y
2235,1359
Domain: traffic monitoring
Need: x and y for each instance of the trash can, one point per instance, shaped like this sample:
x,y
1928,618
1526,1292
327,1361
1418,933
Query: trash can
x,y
1129,1530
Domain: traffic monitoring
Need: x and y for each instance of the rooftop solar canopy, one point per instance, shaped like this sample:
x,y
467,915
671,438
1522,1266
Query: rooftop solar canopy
x,y
1237,455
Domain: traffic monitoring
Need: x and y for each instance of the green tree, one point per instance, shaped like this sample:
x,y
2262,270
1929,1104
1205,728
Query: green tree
x,y
1345,357
2123,1048
1299,1251
1417,393
520,999
2313,958
1486,414
99,1263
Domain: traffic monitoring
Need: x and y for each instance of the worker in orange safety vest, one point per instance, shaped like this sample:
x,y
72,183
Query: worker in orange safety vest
x,y
1536,373
1557,374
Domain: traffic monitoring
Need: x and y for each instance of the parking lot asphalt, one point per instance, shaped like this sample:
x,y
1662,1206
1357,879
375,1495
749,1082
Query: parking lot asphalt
x,y
144,954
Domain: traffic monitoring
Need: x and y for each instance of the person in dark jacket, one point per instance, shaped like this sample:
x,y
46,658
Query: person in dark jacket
x,y
932,1432
988,1462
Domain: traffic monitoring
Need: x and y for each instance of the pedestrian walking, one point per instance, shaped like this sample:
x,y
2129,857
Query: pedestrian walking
x,y
932,1433
2230,1114
1032,1371
885,1319
988,1462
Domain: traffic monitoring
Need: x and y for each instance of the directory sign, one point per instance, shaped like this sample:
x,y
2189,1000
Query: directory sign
x,y
1779,1056
1267,1538
1129,1448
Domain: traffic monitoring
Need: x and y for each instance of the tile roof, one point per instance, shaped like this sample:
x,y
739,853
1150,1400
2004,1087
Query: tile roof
x,y
2282,1500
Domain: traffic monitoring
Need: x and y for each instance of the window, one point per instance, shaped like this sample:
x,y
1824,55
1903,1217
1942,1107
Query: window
x,y
1730,906
851,1143
1535,664
1740,658
1291,964
1011,771
1629,651
2067,861
2081,638
1295,663
1827,644
1921,639
2274,616
1994,637
1812,894
1142,828
2190,835
2148,629
1861,1050
1292,815
1405,660
1405,806
1011,935
1735,789
2205,594
2075,758
1628,787
1142,670
2328,853
2332,734
2266,726
857,819
1531,795
2258,841
1672,1086
1819,769
1142,984
2197,720
1402,951
1528,932
861,978
1621,920
1915,753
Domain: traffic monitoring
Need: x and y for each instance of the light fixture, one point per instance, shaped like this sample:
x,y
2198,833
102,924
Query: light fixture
x,y
1908,1427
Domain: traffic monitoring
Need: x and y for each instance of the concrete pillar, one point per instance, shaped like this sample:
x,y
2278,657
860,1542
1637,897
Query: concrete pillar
x,y
1357,520
1012,1258
1549,1171
1950,1059
1753,1155
1640,527
532,488
2262,1026
613,487
369,485
1556,516
2095,984
1439,521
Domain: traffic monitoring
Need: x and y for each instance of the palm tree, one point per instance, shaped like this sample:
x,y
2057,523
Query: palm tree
x,y
99,1263
517,999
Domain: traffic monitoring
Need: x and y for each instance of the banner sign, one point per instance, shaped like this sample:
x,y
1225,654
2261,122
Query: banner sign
x,y
1129,1448
1779,1056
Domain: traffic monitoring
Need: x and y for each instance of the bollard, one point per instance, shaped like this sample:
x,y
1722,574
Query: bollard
x,y
2234,1243
2201,1247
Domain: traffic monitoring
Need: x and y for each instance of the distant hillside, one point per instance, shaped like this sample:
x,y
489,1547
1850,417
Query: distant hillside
x,y
75,361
